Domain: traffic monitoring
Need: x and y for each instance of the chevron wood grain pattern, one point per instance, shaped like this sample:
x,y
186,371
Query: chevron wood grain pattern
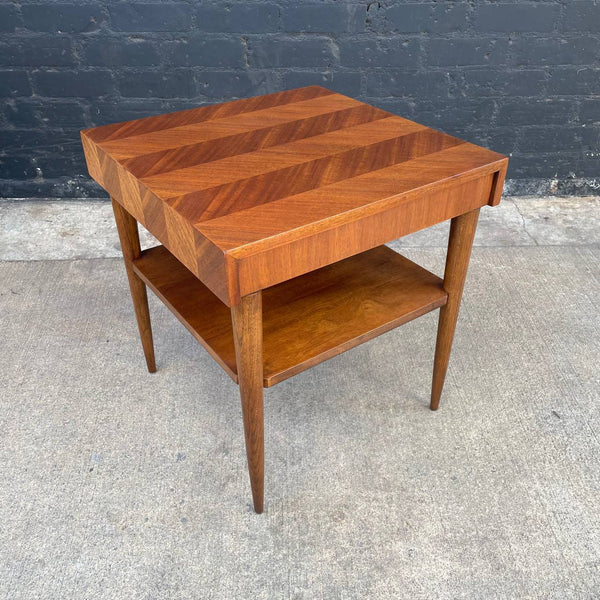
x,y
250,193
305,320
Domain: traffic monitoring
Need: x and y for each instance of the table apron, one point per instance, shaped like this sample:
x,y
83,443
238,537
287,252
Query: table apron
x,y
280,263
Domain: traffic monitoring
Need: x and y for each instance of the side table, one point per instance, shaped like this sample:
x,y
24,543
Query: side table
x,y
272,212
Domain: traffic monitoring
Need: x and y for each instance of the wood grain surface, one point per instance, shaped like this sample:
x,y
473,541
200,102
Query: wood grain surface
x,y
250,193
129,237
272,212
305,320
246,319
460,243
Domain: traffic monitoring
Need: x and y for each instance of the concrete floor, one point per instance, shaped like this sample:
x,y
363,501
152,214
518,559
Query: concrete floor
x,y
121,484
55,229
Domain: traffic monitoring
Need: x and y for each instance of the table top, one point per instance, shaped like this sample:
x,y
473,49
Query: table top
x,y
253,192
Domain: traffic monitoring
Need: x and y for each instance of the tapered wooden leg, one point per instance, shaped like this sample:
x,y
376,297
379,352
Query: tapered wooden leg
x,y
462,231
130,245
247,334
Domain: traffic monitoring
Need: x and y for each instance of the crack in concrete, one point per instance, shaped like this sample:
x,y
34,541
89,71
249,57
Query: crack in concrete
x,y
524,224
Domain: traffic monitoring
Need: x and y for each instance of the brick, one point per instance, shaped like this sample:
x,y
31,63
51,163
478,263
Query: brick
x,y
238,18
62,18
84,187
397,106
590,111
43,114
590,137
324,18
379,52
290,52
394,82
549,138
53,166
574,81
464,133
20,141
343,82
241,84
449,17
588,165
172,16
582,16
517,160
14,83
499,90
118,52
206,51
9,18
36,51
65,84
503,139
102,113
516,17
20,114
408,18
452,115
534,112
62,114
556,51
16,167
425,17
475,136
175,83
466,51
543,166
487,82
176,104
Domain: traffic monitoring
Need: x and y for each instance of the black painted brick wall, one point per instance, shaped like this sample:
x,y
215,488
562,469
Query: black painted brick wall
x,y
520,77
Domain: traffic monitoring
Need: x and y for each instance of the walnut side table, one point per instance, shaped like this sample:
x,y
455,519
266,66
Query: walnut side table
x,y
272,212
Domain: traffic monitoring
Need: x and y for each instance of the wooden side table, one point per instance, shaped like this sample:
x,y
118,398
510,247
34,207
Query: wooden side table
x,y
272,212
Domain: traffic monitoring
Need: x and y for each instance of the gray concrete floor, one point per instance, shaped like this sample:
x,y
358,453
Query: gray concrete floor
x,y
55,229
121,484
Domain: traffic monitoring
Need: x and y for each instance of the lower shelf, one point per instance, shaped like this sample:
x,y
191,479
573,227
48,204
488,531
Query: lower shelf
x,y
305,320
